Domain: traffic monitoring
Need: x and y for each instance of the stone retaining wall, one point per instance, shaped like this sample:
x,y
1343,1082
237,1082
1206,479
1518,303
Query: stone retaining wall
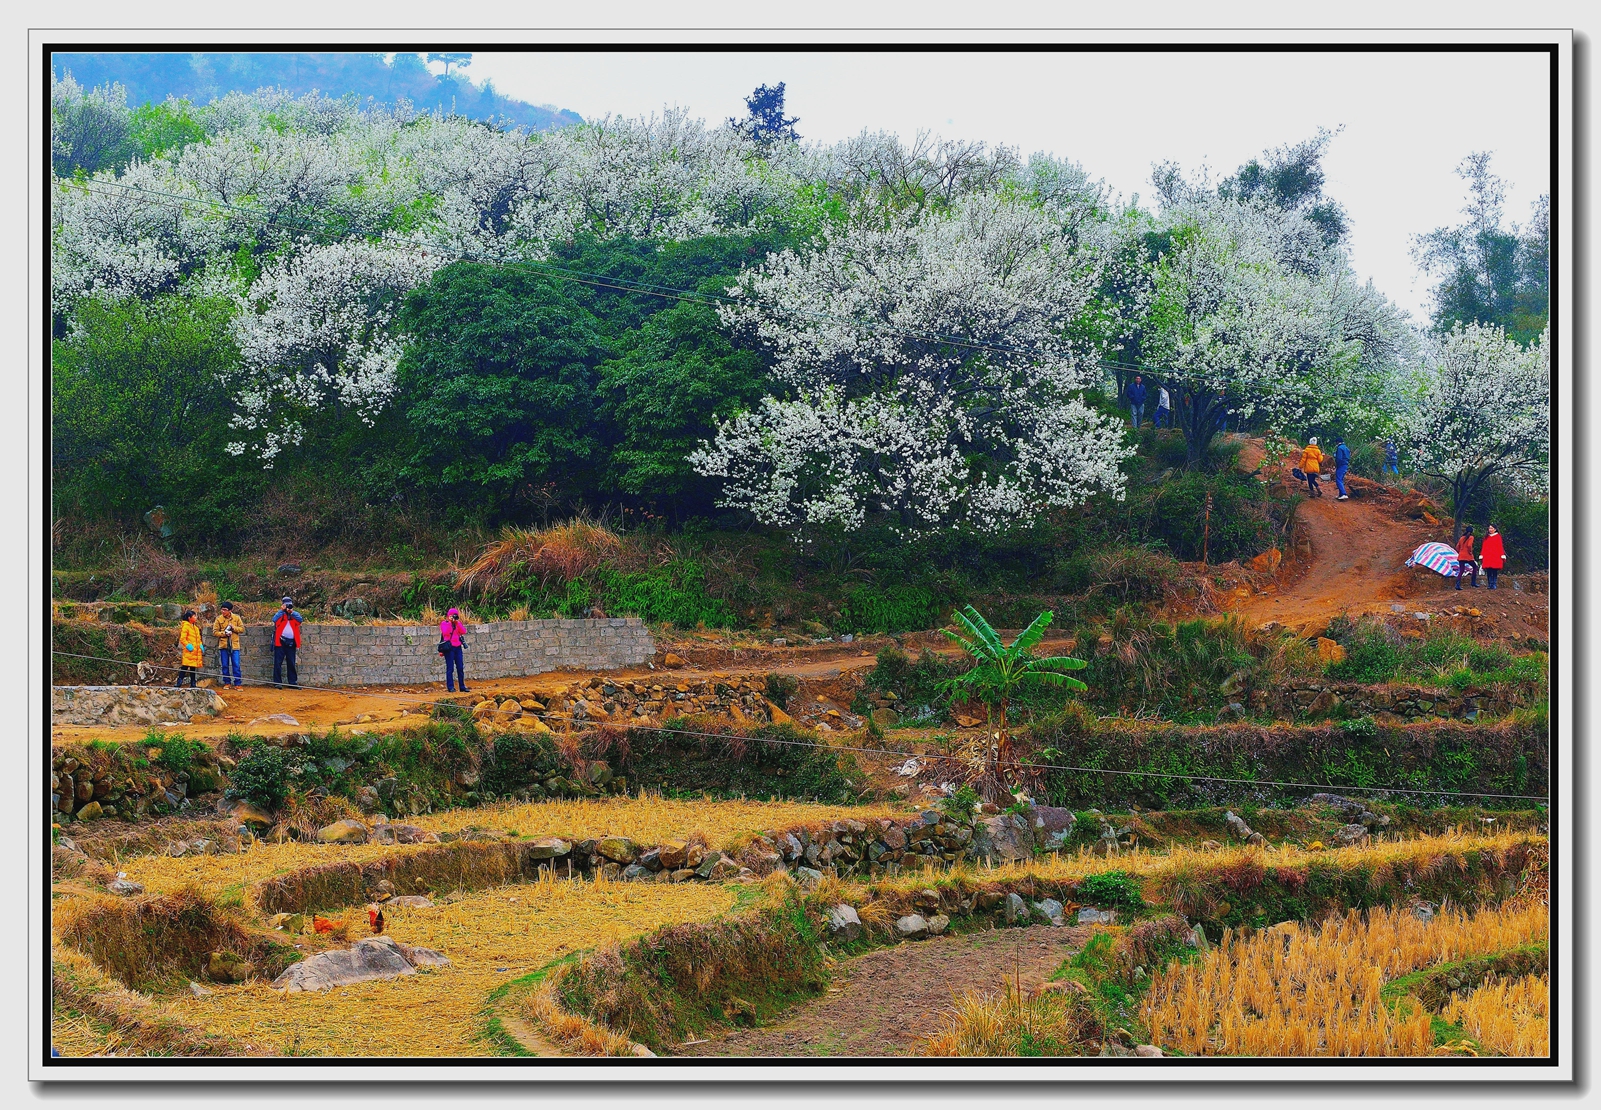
x,y
111,706
380,655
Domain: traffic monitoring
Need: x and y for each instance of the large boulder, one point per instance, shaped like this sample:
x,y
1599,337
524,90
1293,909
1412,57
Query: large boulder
x,y
1053,827
348,831
253,816
843,922
366,960
1005,838
618,849
912,927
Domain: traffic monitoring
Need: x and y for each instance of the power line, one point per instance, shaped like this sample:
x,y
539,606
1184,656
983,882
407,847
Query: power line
x,y
1322,787
626,285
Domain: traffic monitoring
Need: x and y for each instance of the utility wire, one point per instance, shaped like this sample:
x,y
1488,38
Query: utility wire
x,y
1321,787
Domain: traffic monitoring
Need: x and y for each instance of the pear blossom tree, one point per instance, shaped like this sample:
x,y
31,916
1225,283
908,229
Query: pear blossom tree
x,y
314,333
928,374
1485,412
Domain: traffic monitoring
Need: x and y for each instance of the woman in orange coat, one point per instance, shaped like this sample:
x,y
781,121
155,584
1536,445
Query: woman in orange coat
x,y
1312,465
191,656
1464,558
1492,556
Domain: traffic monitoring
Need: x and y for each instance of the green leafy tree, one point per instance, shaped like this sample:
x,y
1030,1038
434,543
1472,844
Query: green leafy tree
x,y
498,383
140,408
1000,672
168,126
1489,273
665,395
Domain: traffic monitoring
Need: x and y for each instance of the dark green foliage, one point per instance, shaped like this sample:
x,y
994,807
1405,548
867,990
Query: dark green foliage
x,y
1377,653
680,375
1456,758
261,776
177,753
917,683
101,642
674,594
499,381
780,688
516,762
140,412
1112,890
891,609
1239,525
738,765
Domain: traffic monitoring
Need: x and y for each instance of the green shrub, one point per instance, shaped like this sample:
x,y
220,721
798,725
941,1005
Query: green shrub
x,y
516,761
1133,573
780,688
895,609
1112,889
261,776
177,753
673,594
917,683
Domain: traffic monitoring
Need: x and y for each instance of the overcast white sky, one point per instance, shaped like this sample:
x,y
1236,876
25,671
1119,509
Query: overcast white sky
x,y
1408,118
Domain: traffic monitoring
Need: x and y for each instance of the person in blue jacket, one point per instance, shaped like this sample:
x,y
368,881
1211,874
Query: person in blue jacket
x,y
1342,463
1136,401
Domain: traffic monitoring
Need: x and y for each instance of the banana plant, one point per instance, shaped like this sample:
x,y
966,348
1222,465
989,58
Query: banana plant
x,y
1001,671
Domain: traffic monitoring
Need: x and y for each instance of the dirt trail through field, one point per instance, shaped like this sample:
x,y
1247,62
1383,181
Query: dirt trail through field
x,y
884,1003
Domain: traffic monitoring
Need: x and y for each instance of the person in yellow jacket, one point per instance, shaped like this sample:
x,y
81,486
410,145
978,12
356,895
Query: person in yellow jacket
x,y
1312,465
227,628
190,654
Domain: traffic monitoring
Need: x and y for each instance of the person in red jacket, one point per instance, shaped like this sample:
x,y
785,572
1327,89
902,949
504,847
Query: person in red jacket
x,y
1464,558
285,642
1492,556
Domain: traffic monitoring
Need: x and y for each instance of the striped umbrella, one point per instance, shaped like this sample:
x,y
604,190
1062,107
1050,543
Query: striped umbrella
x,y
1438,557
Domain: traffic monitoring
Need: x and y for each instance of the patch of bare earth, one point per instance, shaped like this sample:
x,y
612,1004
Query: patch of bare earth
x,y
886,1002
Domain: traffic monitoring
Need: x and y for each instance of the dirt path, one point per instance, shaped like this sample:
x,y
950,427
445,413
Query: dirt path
x,y
884,1003
1356,565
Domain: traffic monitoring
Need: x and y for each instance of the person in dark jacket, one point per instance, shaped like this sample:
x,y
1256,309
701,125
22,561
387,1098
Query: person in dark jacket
x,y
1492,556
1392,458
286,641
1342,463
1464,558
1136,401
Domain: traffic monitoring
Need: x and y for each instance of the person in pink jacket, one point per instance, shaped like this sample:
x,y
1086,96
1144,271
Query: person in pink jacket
x,y
451,630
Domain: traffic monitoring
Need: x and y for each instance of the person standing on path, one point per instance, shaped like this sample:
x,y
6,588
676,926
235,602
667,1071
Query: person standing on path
x,y
227,628
1136,401
1492,556
1164,411
286,640
1464,558
1392,458
451,631
191,656
1312,466
1342,463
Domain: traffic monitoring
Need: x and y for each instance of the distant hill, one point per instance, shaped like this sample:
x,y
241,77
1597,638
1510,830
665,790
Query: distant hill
x,y
201,77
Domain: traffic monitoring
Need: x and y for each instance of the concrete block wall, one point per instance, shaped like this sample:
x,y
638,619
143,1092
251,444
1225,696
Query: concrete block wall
x,y
394,655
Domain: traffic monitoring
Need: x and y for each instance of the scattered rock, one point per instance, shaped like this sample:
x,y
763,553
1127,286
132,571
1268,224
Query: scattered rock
x,y
368,959
1051,910
672,660
1015,909
124,887
348,831
808,876
912,927
1329,651
938,924
409,901
1351,834
252,816
198,991
1147,1050
843,922
89,811
1088,916
225,967
275,719
618,849
290,569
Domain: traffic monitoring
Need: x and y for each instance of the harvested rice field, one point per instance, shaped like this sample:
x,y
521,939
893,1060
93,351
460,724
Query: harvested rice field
x,y
489,936
652,820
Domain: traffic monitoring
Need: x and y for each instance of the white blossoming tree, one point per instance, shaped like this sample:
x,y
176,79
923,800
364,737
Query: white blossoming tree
x,y
929,375
313,333
1485,412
